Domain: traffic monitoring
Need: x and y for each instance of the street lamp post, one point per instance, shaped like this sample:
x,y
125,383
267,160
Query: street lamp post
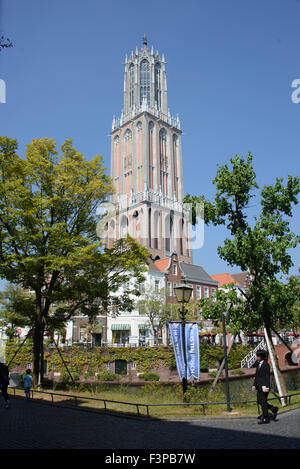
x,y
183,294
224,316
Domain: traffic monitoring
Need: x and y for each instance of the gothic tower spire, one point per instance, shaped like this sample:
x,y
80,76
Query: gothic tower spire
x,y
146,161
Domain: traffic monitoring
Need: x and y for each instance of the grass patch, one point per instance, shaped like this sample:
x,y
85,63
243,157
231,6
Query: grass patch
x,y
155,393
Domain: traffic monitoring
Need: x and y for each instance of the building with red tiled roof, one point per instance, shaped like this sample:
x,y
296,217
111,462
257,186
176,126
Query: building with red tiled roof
x,y
240,281
225,279
162,264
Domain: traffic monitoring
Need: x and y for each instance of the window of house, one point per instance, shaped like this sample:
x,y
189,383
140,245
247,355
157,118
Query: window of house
x,y
206,292
156,285
175,269
198,292
174,285
169,289
213,294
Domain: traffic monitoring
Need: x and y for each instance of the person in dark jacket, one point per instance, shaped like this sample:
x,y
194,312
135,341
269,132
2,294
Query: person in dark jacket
x,y
4,382
262,386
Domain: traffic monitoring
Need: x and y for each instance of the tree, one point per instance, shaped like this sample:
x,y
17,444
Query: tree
x,y
159,312
153,305
48,240
260,246
4,42
224,298
16,310
295,322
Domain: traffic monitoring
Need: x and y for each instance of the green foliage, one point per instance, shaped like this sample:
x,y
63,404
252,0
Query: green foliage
x,y
262,245
149,376
81,361
48,237
17,309
108,376
5,42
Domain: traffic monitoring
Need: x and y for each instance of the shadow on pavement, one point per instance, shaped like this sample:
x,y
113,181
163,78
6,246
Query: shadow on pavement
x,y
32,425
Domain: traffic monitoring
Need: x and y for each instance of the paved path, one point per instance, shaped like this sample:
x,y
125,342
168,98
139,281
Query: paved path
x,y
33,425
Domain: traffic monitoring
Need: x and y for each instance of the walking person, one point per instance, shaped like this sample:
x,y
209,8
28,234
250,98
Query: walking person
x,y
262,386
27,379
4,382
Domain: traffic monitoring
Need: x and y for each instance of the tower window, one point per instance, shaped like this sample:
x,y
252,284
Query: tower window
x,y
157,74
144,82
131,85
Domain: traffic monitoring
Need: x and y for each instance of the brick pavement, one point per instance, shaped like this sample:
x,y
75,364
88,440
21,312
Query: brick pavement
x,y
33,425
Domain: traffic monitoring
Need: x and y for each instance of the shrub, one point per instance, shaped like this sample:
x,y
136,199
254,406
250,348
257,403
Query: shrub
x,y
149,376
238,372
195,394
108,376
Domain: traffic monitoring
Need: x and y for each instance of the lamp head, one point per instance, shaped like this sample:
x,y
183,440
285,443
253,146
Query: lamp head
x,y
183,293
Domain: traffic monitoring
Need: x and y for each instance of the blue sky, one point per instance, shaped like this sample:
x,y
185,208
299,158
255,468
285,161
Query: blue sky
x,y
230,66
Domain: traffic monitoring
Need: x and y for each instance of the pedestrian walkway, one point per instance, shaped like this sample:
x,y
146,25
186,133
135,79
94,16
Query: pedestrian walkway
x,y
34,425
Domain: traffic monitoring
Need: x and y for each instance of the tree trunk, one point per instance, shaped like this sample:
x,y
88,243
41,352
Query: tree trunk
x,y
280,383
37,335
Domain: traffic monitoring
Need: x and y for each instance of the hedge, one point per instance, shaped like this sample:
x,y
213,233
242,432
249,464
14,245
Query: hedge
x,y
81,360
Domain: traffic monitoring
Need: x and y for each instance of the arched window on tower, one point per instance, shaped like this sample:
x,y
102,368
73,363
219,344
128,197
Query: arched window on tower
x,y
151,155
163,161
181,235
157,87
175,161
168,234
149,228
127,161
156,229
144,82
123,230
131,85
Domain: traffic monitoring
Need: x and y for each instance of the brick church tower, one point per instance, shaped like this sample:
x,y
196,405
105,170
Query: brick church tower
x,y
146,162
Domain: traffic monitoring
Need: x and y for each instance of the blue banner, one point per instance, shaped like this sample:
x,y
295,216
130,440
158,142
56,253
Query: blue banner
x,y
192,350
176,336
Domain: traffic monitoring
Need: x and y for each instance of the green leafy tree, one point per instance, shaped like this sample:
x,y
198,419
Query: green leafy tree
x,y
48,240
226,298
4,42
159,312
154,306
261,246
16,309
294,324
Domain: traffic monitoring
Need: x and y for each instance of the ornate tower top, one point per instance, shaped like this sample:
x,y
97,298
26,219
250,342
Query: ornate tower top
x,y
145,87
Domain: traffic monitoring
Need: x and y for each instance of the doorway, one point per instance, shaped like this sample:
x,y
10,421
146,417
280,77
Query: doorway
x,y
121,367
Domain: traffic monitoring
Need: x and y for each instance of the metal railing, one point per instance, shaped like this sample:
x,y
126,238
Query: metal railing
x,y
250,359
138,406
